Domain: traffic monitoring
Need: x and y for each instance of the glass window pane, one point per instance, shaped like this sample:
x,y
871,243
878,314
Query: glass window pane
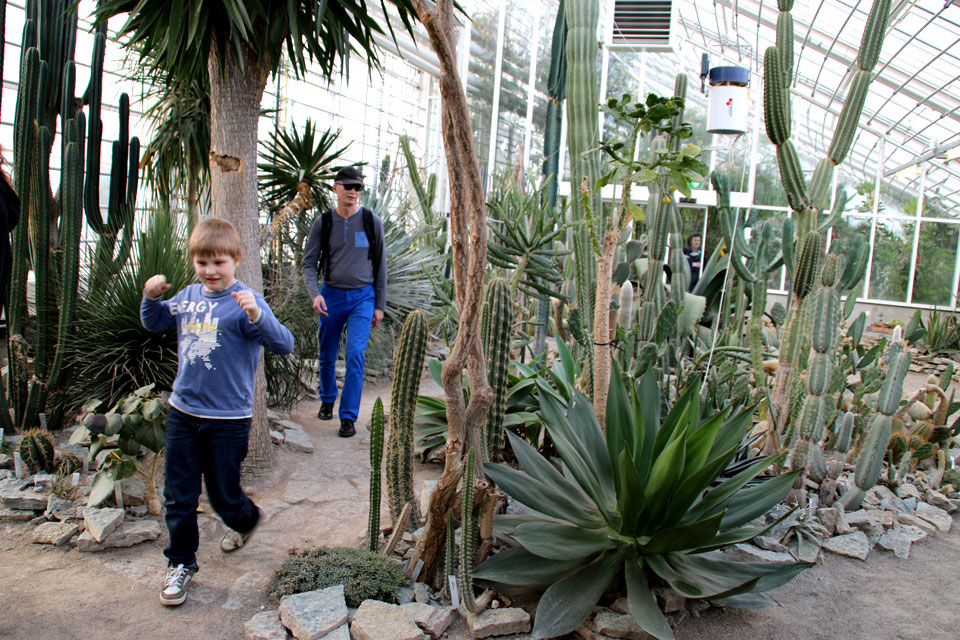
x,y
842,235
891,260
936,257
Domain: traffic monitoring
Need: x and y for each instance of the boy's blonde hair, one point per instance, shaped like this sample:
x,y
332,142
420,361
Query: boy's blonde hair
x,y
213,237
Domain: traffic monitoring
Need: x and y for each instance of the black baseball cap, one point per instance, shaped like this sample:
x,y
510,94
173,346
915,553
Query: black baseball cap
x,y
349,175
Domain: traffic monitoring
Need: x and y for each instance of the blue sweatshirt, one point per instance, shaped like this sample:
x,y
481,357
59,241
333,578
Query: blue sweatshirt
x,y
219,348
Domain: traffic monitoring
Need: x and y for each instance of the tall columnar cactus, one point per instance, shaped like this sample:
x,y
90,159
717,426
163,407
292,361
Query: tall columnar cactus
x,y
819,404
47,96
495,336
450,550
407,369
582,17
808,200
468,536
874,446
376,462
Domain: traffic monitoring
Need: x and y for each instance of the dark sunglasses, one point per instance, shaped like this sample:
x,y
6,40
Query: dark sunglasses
x,y
351,187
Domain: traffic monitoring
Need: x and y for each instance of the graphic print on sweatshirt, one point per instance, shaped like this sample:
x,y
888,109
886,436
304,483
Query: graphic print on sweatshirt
x,y
198,337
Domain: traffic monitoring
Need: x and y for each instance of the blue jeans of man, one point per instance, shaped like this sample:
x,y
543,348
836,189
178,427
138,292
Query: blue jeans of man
x,y
211,449
353,309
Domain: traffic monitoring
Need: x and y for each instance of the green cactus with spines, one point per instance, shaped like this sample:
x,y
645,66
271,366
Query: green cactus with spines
x,y
450,549
37,451
376,462
408,367
468,535
68,463
495,334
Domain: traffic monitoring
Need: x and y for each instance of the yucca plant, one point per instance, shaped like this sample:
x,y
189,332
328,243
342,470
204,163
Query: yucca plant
x,y
112,354
942,331
645,504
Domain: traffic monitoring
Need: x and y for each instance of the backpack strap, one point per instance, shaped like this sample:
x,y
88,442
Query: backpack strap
x,y
326,225
373,251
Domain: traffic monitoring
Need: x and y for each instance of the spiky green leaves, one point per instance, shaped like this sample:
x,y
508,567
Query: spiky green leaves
x,y
652,498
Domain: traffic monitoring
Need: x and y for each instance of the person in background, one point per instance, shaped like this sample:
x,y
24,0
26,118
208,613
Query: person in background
x,y
694,252
345,245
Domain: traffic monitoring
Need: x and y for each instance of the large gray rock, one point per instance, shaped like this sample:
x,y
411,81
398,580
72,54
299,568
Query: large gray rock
x,y
616,625
134,491
298,441
906,519
126,535
852,545
421,590
314,614
828,518
897,542
864,521
100,523
265,625
749,553
59,508
907,490
340,633
16,515
935,516
433,620
499,622
6,461
55,533
939,500
914,534
12,497
377,620
670,600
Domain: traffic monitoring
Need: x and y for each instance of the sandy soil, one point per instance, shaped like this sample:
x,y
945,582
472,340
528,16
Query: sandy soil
x,y
321,498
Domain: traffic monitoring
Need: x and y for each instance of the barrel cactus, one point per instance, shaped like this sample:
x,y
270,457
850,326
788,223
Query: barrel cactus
x,y
36,450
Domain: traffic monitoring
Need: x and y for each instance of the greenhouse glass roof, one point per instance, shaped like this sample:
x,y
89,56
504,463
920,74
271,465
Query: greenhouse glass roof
x,y
912,113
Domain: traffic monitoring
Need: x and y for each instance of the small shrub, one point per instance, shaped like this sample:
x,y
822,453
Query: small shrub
x,y
363,574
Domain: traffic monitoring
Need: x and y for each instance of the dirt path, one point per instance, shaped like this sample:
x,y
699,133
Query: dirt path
x,y
321,499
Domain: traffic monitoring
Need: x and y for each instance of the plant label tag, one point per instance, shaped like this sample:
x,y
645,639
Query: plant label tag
x,y
417,568
84,460
75,479
43,420
118,493
1,441
454,591
17,465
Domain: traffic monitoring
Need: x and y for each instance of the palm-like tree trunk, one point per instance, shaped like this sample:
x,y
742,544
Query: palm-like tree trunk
x,y
234,115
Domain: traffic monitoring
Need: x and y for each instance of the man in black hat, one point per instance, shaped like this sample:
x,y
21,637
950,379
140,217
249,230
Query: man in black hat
x,y
349,251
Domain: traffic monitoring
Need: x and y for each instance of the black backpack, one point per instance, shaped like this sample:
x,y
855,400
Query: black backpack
x,y
326,225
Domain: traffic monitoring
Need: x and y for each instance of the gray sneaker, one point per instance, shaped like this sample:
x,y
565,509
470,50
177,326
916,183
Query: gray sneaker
x,y
234,540
174,590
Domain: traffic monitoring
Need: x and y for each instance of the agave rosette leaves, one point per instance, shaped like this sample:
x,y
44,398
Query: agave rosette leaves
x,y
648,499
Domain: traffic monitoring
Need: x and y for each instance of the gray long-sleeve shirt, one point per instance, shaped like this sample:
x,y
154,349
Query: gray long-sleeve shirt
x,y
350,266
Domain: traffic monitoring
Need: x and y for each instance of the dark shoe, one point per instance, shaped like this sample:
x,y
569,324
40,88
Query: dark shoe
x,y
233,540
174,590
326,411
346,428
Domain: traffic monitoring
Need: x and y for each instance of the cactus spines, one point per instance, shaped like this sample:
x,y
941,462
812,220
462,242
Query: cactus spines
x,y
873,33
832,267
857,255
648,321
467,537
498,315
403,401
846,432
826,314
775,103
450,548
376,461
36,450
889,399
625,315
872,453
808,265
784,5
849,117
818,377
820,183
816,463
785,47
791,175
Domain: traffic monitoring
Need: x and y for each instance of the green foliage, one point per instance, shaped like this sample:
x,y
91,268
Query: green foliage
x,y
139,422
468,535
288,299
295,158
364,575
942,331
112,353
495,336
645,499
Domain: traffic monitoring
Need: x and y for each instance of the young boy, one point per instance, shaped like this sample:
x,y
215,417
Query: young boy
x,y
221,326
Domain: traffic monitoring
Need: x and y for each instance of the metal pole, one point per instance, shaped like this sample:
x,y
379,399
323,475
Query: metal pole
x,y
873,220
916,234
495,109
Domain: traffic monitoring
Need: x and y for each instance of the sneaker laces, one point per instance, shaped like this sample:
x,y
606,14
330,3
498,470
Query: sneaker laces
x,y
176,577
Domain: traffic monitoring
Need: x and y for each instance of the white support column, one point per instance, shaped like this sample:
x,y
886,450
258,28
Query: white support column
x,y
754,143
916,234
495,108
604,73
878,177
833,200
532,85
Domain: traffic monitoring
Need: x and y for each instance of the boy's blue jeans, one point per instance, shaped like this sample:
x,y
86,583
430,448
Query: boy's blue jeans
x,y
353,308
214,450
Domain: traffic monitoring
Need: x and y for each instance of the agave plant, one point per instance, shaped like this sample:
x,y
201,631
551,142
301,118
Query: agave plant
x,y
645,503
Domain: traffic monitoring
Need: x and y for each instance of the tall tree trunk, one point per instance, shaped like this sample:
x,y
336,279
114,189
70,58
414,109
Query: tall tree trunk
x,y
234,115
468,239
